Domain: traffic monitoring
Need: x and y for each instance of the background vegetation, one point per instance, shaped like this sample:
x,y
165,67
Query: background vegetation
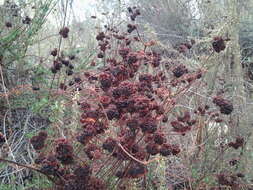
x,y
215,154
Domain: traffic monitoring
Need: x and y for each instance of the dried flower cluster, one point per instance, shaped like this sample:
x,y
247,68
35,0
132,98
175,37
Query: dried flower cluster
x,y
123,117
64,32
226,107
134,12
8,24
218,44
230,180
38,142
183,123
132,107
27,20
58,64
239,142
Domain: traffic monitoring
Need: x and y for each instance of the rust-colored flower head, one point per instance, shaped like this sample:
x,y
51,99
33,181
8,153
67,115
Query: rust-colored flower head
x,y
105,100
131,28
40,159
27,20
100,36
64,32
63,86
165,119
239,142
149,125
85,106
146,78
123,52
82,172
129,9
119,37
77,79
134,12
103,46
152,149
105,80
142,104
182,48
188,45
120,174
133,17
218,44
186,117
83,138
93,151
179,71
218,120
241,175
168,149
228,180
43,134
71,66
54,52
64,151
180,127
133,124
135,148
136,171
125,89
89,116
100,55
109,144
226,107
38,142
175,149
50,165
57,65
65,62
72,57
132,58
233,162
8,24
159,138
120,73
137,12
69,72
165,150
71,83
112,112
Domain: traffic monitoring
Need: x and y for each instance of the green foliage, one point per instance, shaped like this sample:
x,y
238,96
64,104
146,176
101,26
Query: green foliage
x,y
39,105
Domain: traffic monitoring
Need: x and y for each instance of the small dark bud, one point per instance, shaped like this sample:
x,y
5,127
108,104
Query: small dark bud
x,y
8,24
69,72
64,32
35,88
27,20
218,44
54,52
